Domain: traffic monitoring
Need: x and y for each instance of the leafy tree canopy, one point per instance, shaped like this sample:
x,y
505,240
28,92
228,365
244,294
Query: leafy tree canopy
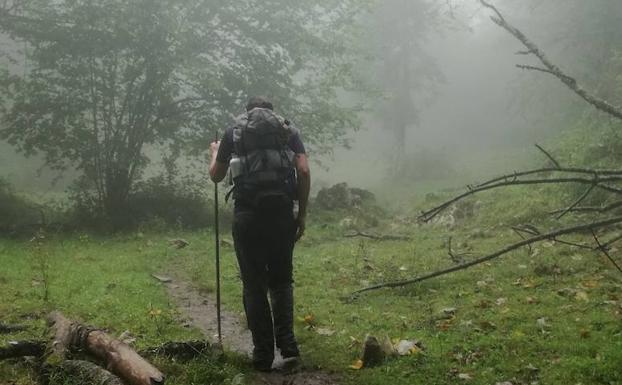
x,y
105,79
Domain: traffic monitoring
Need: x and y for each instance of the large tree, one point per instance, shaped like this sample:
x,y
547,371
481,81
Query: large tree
x,y
105,79
407,74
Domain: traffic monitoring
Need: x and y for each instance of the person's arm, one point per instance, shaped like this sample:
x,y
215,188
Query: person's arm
x,y
304,186
217,169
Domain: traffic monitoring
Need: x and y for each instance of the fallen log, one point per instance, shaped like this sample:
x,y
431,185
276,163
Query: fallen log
x,y
16,349
181,350
117,356
86,372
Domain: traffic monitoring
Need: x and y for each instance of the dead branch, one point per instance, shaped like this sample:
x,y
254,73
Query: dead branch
x,y
610,242
604,251
16,349
551,68
8,328
529,241
548,155
117,356
598,180
376,237
457,258
519,232
531,230
88,373
597,209
578,201
547,170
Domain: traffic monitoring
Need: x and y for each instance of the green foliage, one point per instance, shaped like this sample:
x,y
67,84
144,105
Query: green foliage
x,y
155,204
105,80
15,211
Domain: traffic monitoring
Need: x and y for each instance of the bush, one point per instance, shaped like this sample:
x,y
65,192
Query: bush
x,y
183,205
156,203
16,212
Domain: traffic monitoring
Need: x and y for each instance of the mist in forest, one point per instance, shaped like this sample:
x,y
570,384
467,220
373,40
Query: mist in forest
x,y
441,96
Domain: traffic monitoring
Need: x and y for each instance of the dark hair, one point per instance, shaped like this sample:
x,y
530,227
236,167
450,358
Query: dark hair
x,y
258,102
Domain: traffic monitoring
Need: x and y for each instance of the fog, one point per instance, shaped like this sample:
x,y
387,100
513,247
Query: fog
x,y
485,116
480,114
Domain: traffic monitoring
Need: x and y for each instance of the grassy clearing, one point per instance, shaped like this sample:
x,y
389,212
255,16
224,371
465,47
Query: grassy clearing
x,y
551,316
104,282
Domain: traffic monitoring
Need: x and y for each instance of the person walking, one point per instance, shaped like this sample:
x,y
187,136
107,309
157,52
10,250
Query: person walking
x,y
269,171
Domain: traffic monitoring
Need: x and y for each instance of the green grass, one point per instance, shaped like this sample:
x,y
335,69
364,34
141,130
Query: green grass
x,y
552,316
104,282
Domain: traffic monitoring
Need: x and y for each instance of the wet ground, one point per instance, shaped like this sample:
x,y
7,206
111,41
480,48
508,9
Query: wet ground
x,y
199,310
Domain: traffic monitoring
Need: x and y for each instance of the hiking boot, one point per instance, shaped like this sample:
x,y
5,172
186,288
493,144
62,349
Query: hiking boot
x,y
291,365
262,366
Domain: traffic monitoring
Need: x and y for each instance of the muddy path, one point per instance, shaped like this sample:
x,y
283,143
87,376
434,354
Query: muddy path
x,y
199,310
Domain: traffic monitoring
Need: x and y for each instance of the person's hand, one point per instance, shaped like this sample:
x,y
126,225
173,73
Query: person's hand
x,y
214,146
301,228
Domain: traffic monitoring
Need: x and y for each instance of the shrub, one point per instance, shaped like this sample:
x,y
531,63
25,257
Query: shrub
x,y
16,213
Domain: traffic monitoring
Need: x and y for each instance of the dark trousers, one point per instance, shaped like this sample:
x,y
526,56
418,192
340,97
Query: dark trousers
x,y
264,240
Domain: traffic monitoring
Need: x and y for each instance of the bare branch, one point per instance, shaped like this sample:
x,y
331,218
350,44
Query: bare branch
x,y
548,155
546,170
523,53
529,241
531,230
362,234
551,68
578,201
427,216
612,241
604,250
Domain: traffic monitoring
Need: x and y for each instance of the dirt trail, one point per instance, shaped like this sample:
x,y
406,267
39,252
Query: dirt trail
x,y
200,310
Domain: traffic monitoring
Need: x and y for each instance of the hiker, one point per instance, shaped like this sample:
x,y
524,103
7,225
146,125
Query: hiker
x,y
269,169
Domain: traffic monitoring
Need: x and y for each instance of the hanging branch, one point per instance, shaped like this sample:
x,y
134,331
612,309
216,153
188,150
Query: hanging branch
x,y
529,241
551,68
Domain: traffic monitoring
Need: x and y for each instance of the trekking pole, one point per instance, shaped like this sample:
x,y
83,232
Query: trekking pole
x,y
217,234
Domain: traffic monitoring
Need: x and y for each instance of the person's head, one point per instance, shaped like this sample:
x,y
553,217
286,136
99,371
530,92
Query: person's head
x,y
258,102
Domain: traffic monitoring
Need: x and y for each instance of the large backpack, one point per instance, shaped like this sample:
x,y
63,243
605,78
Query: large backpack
x,y
266,162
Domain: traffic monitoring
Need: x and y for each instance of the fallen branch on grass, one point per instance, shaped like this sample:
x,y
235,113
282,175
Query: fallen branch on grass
x,y
538,238
378,237
513,180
